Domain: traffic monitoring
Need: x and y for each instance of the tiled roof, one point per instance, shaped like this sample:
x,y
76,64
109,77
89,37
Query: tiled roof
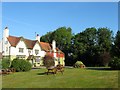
x,y
13,40
45,46
30,43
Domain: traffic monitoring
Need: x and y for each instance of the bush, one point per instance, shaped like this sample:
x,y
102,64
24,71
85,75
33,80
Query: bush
x,y
115,63
48,61
21,65
5,63
78,64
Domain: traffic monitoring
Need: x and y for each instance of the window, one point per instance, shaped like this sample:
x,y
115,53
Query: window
x,y
37,60
21,50
36,51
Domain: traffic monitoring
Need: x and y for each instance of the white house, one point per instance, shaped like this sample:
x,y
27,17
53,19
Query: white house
x,y
32,50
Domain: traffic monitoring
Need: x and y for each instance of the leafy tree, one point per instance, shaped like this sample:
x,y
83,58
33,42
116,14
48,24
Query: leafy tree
x,y
48,61
105,40
84,43
116,47
46,37
62,36
105,58
91,46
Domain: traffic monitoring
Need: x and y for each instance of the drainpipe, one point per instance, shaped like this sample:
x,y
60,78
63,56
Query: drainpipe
x,y
9,55
9,52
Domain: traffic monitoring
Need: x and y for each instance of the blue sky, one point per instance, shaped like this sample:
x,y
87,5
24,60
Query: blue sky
x,y
24,19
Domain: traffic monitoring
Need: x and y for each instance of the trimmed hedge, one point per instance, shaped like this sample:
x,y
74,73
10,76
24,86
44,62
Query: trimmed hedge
x,y
78,64
115,63
21,65
5,63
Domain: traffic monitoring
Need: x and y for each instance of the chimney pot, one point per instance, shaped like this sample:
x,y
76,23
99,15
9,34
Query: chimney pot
x,y
6,27
38,37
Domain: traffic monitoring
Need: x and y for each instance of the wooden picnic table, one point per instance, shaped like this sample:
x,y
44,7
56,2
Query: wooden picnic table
x,y
54,70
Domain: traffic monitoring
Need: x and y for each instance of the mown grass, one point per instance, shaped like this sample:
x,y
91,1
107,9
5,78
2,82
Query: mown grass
x,y
72,78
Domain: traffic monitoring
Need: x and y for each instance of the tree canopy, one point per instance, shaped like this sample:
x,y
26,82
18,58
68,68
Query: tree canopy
x,y
92,46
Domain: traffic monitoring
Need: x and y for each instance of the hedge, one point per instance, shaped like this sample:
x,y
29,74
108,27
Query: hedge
x,y
21,65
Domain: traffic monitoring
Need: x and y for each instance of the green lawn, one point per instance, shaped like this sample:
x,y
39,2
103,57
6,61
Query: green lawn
x,y
72,78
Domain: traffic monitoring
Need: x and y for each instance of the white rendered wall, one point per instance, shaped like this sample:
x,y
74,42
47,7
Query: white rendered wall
x,y
13,51
7,48
21,44
36,47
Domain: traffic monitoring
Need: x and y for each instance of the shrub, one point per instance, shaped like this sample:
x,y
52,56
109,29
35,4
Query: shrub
x,y
48,61
5,63
21,65
115,63
78,64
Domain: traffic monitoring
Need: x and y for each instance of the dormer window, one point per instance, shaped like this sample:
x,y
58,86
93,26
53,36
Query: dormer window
x,y
21,50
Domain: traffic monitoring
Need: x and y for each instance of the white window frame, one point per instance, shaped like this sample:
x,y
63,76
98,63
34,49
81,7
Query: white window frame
x,y
21,50
36,51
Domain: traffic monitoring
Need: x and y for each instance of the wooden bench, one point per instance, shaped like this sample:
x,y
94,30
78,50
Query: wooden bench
x,y
59,68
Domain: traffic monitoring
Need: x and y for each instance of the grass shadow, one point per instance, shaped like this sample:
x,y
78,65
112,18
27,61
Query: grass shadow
x,y
100,68
44,73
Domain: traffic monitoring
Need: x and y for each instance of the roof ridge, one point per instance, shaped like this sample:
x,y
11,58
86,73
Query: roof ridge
x,y
44,42
14,36
23,38
30,39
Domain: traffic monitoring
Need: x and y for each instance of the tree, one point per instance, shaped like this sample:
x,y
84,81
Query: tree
x,y
46,37
116,47
105,40
92,45
84,43
62,36
48,61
